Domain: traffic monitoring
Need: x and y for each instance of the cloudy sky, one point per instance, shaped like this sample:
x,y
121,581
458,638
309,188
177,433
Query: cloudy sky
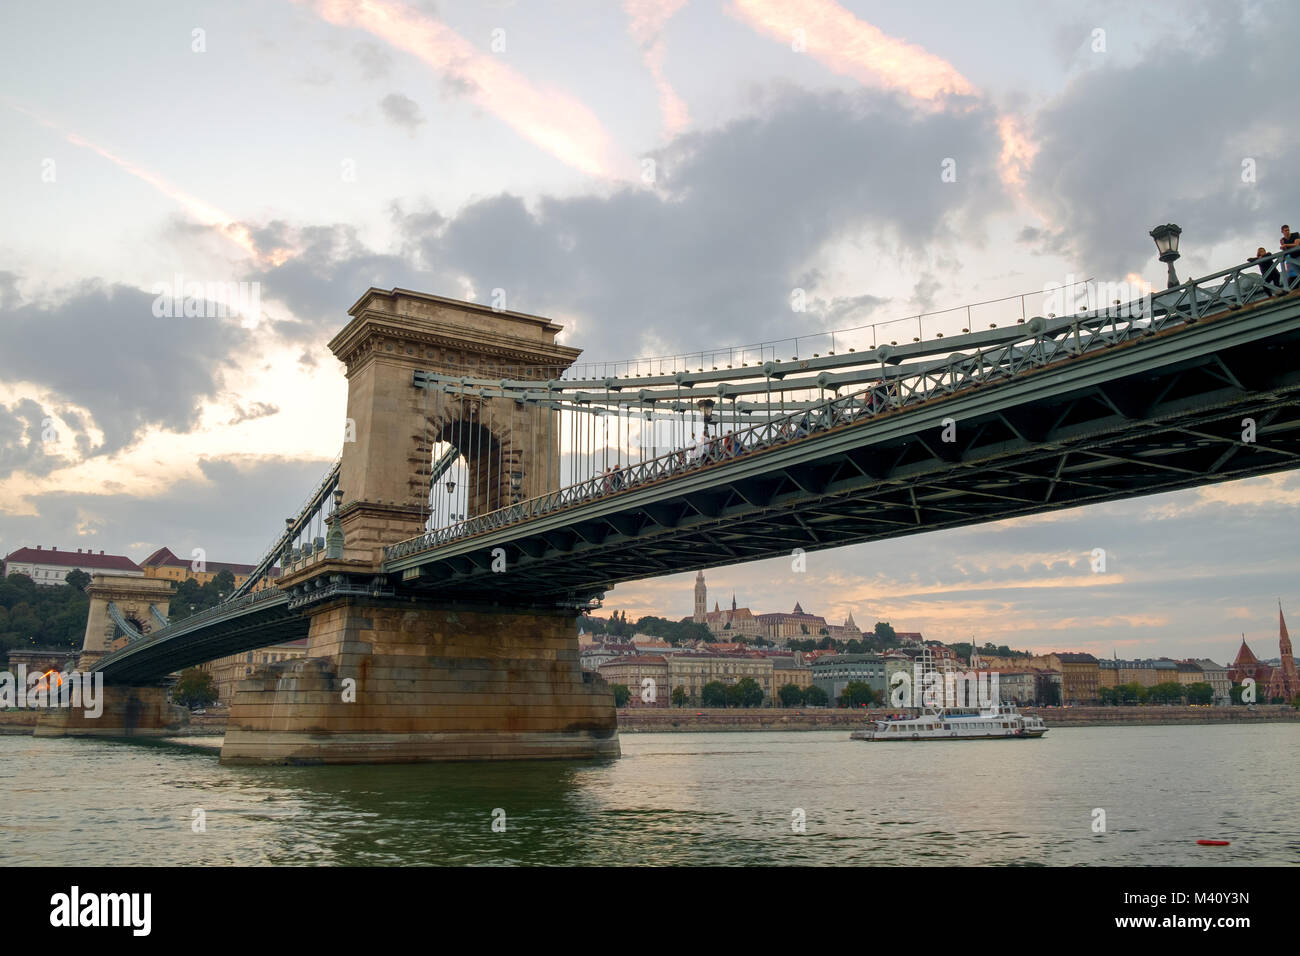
x,y
658,176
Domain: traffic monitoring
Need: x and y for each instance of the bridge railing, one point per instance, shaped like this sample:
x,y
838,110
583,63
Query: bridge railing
x,y
315,505
200,619
1046,340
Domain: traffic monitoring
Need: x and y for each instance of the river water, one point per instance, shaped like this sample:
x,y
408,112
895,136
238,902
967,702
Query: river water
x,y
675,799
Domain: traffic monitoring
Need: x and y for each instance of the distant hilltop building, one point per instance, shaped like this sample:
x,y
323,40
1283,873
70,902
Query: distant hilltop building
x,y
49,567
742,622
163,563
848,631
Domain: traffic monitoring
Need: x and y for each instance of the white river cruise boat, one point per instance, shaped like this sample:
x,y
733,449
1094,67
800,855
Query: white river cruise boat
x,y
956,723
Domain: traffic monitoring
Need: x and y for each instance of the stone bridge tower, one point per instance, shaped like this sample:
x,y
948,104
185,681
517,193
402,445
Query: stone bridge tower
x,y
138,601
510,452
391,675
128,710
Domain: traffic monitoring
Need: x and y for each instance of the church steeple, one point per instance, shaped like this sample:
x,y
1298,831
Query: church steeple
x,y
1285,682
701,599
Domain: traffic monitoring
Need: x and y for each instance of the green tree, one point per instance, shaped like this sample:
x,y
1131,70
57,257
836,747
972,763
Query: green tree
x,y
195,688
1107,695
78,579
1200,693
618,626
714,694
814,696
1132,693
679,696
674,632
1166,692
884,633
621,694
749,693
42,616
857,694
791,695
1235,693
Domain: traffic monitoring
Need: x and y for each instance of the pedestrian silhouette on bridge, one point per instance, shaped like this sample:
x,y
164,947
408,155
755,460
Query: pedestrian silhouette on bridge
x,y
1267,269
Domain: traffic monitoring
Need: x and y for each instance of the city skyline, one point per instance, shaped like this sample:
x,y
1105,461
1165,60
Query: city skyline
x,y
456,150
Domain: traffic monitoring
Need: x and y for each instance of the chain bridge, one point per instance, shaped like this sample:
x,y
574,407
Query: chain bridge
x,y
489,488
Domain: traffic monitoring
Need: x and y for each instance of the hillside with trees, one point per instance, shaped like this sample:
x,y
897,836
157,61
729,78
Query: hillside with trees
x,y
33,615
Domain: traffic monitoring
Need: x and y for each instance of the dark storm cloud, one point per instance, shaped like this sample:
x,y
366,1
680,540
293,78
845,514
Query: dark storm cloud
x,y
8,289
711,254
195,513
401,110
24,428
1164,140
102,348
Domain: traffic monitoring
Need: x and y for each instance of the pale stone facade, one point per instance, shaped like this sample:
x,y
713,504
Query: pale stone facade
x,y
134,597
431,683
228,672
1216,675
691,672
645,676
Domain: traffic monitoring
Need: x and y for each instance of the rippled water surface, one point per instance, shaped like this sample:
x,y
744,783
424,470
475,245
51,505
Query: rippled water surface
x,y
676,799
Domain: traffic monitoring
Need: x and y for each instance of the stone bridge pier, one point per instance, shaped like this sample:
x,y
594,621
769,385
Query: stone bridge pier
x,y
391,676
125,710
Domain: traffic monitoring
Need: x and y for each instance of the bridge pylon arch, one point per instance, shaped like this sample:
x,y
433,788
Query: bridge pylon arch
x,y
118,598
512,453
390,675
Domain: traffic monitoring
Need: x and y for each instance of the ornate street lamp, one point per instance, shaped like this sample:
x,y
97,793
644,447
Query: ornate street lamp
x,y
1166,238
451,487
706,410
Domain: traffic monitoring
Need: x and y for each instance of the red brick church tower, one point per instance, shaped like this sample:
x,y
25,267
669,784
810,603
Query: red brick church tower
x,y
1248,665
1285,681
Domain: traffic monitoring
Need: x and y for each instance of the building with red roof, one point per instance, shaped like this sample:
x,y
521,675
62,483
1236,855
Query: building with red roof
x,y
49,567
165,564
1246,664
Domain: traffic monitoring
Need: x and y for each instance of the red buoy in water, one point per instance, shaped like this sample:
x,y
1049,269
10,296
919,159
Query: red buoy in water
x,y
1214,842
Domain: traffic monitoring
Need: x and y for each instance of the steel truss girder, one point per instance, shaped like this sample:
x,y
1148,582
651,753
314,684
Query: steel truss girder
x,y
1085,456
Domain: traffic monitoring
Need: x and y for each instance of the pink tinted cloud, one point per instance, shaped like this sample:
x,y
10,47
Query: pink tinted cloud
x,y
199,210
552,120
647,19
855,48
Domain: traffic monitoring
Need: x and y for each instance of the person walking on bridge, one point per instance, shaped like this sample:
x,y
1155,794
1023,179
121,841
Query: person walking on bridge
x,y
1291,264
